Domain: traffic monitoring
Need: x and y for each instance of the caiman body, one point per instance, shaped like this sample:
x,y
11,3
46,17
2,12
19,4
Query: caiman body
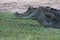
x,y
46,16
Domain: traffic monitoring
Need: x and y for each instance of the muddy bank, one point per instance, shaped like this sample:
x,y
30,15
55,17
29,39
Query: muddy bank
x,y
22,5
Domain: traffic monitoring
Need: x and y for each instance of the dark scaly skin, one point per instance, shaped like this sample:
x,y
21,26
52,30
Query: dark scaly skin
x,y
46,16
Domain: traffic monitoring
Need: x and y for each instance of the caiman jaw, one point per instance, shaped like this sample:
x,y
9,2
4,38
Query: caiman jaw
x,y
29,14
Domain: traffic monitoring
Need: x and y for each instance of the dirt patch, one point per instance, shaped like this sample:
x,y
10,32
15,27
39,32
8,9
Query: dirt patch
x,y
22,5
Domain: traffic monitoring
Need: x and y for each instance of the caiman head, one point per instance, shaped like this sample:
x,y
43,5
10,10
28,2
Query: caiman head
x,y
29,14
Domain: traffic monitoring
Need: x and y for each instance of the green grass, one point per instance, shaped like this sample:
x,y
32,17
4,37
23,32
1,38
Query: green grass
x,y
12,28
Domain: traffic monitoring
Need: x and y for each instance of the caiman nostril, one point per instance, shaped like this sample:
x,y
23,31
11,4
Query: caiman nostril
x,y
47,7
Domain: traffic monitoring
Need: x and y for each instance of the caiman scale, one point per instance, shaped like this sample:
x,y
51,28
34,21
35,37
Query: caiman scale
x,y
46,16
